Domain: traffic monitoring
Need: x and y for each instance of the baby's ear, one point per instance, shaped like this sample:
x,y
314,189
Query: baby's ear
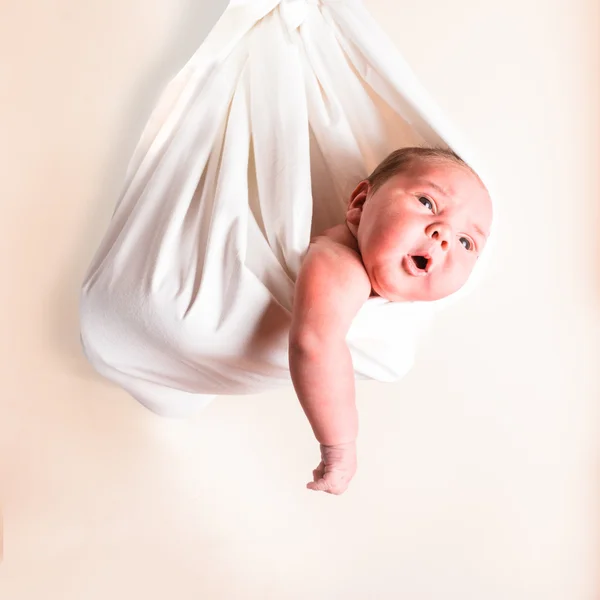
x,y
355,206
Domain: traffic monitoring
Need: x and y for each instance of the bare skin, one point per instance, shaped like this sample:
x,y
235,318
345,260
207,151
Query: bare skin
x,y
417,237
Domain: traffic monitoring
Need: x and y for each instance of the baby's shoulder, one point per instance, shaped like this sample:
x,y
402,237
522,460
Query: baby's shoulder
x,y
344,245
332,270
337,235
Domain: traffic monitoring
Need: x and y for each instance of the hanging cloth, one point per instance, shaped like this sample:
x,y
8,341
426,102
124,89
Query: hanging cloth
x,y
254,147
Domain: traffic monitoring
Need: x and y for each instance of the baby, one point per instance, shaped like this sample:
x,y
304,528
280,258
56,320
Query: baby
x,y
413,232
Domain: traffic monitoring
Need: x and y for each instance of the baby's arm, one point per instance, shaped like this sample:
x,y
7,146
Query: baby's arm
x,y
331,288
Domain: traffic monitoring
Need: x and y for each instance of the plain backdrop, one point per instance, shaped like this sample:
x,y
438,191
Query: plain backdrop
x,y
478,474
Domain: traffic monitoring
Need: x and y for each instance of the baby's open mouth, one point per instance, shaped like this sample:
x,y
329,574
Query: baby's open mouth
x,y
417,264
421,262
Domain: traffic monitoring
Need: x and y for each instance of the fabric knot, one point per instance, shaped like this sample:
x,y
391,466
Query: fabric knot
x,y
293,12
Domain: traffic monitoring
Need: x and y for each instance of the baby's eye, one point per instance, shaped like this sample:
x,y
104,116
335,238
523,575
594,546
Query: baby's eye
x,y
426,202
466,242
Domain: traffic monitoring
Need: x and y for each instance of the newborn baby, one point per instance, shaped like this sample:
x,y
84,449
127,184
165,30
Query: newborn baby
x,y
413,232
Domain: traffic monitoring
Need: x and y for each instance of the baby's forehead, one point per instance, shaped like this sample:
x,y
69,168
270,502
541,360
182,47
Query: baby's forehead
x,y
439,168
449,178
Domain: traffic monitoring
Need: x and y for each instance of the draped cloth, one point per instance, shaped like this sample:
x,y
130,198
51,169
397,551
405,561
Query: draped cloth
x,y
252,148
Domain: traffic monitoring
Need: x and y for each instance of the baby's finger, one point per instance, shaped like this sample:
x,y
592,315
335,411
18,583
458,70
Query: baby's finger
x,y
326,485
318,472
318,485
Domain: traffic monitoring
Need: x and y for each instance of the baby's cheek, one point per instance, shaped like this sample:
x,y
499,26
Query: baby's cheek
x,y
384,280
457,277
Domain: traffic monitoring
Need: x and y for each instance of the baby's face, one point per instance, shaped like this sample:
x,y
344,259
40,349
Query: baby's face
x,y
421,232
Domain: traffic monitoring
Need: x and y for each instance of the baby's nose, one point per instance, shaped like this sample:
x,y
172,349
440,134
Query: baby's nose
x,y
440,232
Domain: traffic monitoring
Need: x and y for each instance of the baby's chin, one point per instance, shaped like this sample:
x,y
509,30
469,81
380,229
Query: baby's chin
x,y
415,291
386,282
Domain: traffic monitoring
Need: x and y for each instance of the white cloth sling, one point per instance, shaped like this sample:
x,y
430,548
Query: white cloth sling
x,y
252,148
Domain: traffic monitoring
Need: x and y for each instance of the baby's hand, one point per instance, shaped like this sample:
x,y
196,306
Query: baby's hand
x,y
336,469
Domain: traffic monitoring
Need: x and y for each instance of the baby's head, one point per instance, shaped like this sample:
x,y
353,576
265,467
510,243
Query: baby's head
x,y
421,220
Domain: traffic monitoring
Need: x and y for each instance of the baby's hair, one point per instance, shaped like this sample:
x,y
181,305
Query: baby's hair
x,y
401,159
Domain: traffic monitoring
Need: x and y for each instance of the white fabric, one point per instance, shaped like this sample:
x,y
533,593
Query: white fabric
x,y
253,147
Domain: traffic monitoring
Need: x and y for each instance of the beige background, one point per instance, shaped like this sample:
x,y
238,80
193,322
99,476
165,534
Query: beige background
x,y
479,473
